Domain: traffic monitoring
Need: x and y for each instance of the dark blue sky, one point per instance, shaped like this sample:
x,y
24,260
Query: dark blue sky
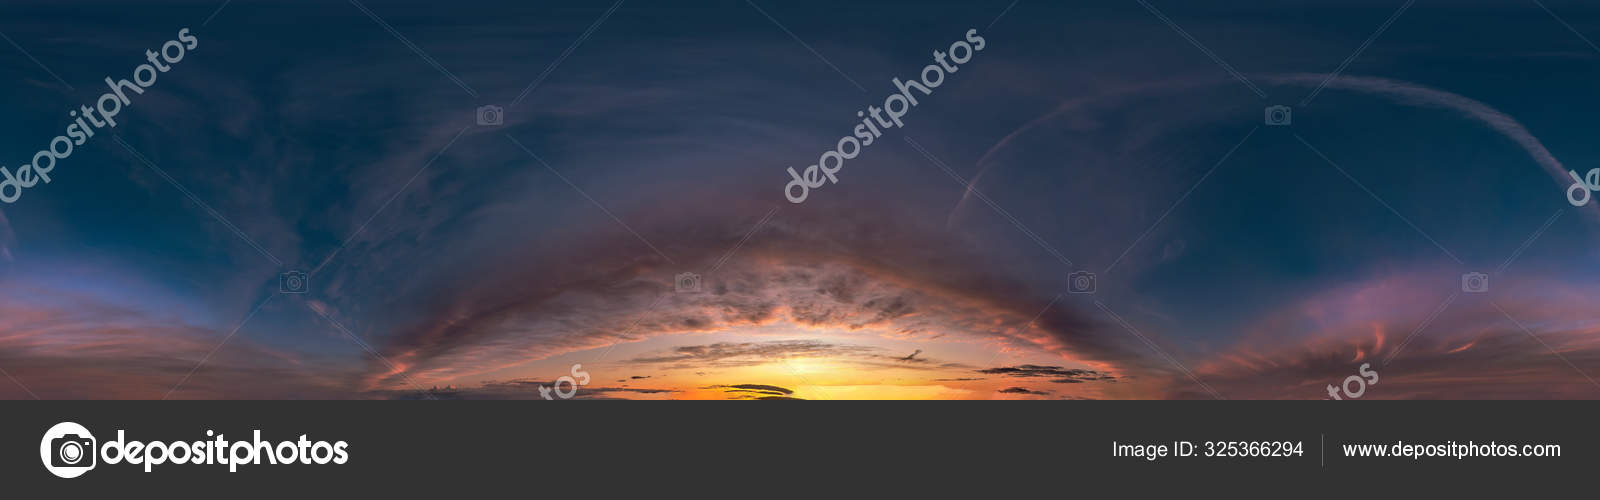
x,y
340,139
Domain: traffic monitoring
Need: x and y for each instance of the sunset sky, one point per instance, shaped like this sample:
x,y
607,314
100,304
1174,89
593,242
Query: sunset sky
x,y
641,140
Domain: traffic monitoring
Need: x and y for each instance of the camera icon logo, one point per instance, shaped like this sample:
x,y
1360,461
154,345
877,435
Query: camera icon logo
x,y
1474,282
293,282
68,450
1279,115
491,115
1080,282
686,282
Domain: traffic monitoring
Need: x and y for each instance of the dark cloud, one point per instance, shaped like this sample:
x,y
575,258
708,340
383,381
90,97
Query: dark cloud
x,y
756,392
726,354
1062,375
1023,390
520,389
633,390
730,354
772,389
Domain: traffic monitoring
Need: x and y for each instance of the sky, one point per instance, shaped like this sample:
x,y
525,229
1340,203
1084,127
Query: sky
x,y
313,203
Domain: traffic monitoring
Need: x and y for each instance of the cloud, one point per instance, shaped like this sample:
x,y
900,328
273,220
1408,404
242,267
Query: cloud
x,y
756,392
489,261
60,343
772,389
1423,343
499,307
518,389
1061,375
739,354
486,261
1023,390
728,354
1402,91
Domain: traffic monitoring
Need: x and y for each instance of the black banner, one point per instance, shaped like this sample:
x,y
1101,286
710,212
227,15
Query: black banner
x,y
475,449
